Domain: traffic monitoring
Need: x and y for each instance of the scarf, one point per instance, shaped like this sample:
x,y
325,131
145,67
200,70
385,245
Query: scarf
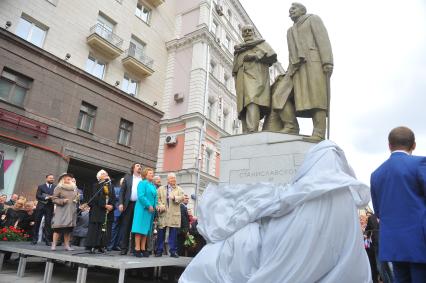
x,y
240,48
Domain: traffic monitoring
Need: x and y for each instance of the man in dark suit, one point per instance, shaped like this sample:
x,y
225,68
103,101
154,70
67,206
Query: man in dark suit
x,y
128,197
184,225
44,208
398,191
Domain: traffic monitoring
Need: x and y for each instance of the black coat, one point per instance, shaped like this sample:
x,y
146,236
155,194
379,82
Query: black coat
x,y
372,230
126,190
13,215
25,222
97,204
184,217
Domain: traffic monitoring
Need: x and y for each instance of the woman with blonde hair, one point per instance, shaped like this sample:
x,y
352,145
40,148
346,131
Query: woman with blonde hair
x,y
65,214
144,212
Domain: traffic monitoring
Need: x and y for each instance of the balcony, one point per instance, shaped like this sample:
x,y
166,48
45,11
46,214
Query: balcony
x,y
155,3
136,62
105,41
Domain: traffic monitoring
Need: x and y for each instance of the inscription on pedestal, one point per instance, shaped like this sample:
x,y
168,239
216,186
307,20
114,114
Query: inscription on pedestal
x,y
261,157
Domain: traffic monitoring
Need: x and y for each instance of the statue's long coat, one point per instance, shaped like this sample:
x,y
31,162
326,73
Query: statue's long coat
x,y
252,78
309,50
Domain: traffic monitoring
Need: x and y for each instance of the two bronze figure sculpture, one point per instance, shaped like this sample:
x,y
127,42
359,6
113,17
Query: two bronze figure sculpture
x,y
303,91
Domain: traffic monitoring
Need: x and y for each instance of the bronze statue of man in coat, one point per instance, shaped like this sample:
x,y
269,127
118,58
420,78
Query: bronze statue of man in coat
x,y
304,90
252,60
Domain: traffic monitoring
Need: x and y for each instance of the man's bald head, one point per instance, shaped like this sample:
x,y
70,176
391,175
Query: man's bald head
x,y
401,138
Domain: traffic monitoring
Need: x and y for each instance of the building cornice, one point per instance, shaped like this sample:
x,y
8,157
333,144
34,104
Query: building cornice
x,y
202,34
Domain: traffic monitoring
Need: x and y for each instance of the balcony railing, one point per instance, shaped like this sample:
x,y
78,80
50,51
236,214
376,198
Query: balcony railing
x,y
137,62
107,35
139,55
103,40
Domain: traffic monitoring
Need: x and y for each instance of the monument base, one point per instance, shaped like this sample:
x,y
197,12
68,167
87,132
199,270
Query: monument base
x,y
261,157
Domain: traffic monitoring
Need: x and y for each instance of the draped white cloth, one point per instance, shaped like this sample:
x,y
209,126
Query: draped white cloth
x,y
304,232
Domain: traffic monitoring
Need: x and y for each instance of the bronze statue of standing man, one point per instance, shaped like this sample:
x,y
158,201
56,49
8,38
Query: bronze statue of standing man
x,y
309,70
252,60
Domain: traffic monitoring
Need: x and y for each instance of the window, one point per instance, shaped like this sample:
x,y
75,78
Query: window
x,y
86,118
214,28
130,86
227,42
229,14
14,87
105,27
210,110
105,23
136,47
207,161
95,67
226,81
225,120
31,31
125,132
143,12
212,67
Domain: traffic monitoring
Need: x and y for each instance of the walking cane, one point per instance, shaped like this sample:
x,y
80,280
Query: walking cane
x,y
328,103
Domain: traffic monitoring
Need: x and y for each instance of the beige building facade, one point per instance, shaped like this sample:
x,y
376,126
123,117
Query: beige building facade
x,y
120,42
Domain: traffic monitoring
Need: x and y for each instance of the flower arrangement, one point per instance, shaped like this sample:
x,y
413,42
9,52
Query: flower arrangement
x,y
13,234
190,241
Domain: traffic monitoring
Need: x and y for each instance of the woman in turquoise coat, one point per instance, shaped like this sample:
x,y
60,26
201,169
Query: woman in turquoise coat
x,y
144,212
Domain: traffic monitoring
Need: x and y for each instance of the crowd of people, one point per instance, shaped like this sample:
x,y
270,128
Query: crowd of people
x,y
136,215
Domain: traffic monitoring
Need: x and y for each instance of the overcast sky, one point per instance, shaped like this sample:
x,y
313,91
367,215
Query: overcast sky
x,y
379,78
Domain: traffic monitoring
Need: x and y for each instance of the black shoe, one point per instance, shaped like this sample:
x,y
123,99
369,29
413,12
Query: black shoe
x,y
116,249
102,250
138,254
158,255
123,252
145,253
33,242
175,255
109,249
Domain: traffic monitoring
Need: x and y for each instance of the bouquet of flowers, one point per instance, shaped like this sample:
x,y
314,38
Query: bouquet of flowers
x,y
190,241
13,234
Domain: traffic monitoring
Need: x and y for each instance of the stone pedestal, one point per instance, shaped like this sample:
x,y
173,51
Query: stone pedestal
x,y
261,157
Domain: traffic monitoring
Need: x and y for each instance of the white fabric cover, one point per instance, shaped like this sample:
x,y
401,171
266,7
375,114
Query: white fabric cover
x,y
304,232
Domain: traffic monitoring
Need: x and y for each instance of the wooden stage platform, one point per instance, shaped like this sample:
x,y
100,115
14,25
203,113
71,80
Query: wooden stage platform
x,y
84,260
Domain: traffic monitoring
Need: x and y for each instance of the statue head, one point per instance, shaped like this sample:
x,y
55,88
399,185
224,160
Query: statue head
x,y
297,10
247,32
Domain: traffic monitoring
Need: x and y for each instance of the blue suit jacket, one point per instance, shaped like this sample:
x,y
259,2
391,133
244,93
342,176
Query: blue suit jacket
x,y
398,191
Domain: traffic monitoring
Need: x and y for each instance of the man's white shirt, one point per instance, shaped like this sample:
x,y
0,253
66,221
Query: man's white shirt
x,y
135,183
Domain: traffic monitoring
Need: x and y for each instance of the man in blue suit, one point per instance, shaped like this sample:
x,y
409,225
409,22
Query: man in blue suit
x,y
398,191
